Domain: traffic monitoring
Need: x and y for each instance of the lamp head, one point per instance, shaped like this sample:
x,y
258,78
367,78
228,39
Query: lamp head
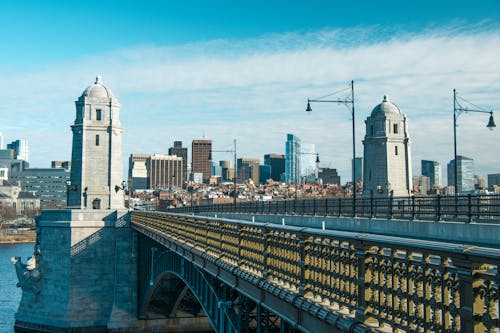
x,y
491,123
317,158
308,109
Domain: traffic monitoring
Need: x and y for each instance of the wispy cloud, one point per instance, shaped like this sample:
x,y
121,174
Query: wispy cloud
x,y
255,91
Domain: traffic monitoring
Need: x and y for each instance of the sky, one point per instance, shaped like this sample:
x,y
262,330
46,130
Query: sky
x,y
225,70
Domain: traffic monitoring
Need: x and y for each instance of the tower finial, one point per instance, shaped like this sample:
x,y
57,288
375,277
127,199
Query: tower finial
x,y
386,98
98,79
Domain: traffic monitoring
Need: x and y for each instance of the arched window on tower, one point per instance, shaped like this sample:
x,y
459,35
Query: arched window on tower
x,y
396,150
395,127
97,140
98,114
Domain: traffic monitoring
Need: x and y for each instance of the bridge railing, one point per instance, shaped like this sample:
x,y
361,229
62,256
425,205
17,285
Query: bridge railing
x,y
484,208
409,284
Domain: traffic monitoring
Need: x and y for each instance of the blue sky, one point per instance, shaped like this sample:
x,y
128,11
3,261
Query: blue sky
x,y
243,70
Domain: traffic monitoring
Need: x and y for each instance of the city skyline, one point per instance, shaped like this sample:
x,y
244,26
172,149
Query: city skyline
x,y
240,81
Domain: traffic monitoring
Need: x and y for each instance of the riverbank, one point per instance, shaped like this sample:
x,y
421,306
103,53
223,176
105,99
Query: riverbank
x,y
18,238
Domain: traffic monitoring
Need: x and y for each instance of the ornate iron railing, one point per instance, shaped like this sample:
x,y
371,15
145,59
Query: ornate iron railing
x,y
484,208
407,284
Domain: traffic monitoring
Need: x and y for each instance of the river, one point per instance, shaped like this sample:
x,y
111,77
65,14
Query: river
x,y
10,295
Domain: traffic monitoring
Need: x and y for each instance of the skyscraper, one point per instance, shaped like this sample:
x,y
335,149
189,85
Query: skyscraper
x,y
180,151
138,171
465,174
292,159
493,180
248,168
96,159
358,169
387,158
277,164
329,176
432,169
308,164
20,148
164,171
200,159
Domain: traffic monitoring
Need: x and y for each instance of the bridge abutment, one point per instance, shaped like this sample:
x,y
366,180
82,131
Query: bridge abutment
x,y
86,261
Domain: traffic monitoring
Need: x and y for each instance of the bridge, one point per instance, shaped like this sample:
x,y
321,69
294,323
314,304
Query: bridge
x,y
274,277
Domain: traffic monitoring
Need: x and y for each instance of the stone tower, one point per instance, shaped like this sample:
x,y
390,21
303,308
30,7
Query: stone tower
x,y
96,170
387,157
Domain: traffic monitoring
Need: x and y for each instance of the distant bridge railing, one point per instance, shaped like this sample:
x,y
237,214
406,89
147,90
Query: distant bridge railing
x,y
484,208
407,284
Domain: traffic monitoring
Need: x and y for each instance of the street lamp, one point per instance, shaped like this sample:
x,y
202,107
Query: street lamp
x,y
235,165
349,103
458,109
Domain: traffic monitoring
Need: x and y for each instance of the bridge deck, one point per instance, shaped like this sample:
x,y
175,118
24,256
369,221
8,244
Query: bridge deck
x,y
340,278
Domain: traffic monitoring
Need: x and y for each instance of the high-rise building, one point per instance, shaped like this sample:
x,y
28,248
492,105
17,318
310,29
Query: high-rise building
x,y
201,151
432,169
164,171
227,170
308,162
248,168
96,169
20,148
180,151
465,174
7,154
358,169
48,184
479,183
138,171
387,157
264,173
292,159
421,184
277,164
493,180
329,176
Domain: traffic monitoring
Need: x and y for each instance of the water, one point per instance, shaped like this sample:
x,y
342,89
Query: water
x,y
10,295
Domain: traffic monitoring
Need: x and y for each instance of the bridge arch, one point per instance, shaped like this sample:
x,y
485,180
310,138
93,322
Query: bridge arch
x,y
164,271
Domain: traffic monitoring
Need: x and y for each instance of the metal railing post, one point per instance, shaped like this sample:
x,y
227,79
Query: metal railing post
x,y
438,208
391,198
465,271
302,264
360,252
469,208
412,207
371,205
266,253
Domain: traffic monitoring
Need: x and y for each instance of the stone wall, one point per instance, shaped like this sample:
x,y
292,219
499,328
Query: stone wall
x,y
87,264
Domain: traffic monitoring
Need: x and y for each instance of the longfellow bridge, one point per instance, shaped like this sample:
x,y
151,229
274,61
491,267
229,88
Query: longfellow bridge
x,y
397,264
259,276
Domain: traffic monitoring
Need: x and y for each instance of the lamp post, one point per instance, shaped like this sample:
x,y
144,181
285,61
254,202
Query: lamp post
x,y
235,165
349,103
458,109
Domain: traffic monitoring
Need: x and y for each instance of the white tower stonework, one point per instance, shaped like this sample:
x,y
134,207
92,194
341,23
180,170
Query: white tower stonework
x,y
387,167
97,154
85,262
